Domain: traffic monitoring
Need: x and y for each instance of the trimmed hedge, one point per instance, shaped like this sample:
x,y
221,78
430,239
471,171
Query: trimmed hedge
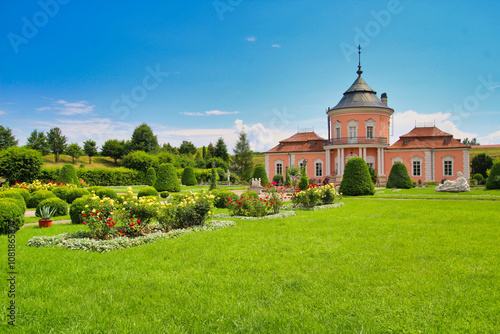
x,y
11,214
48,174
94,189
249,194
164,194
147,191
356,180
110,176
60,205
259,172
13,194
106,192
24,192
493,181
221,198
277,178
167,179
139,160
39,196
398,177
61,192
76,208
68,175
150,177
75,193
188,178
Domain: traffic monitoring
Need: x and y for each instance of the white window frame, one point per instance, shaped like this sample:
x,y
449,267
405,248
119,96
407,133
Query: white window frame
x,y
277,163
370,123
352,137
316,162
451,160
301,163
370,160
419,160
338,130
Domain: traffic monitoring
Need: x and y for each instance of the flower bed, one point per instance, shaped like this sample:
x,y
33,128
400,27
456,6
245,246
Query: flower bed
x,y
84,241
39,185
315,195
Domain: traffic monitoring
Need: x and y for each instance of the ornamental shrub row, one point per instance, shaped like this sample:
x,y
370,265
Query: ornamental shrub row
x,y
98,176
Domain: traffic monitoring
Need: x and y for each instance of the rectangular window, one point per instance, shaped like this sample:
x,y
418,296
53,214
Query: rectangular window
x,y
352,132
337,133
416,168
448,168
369,132
279,169
319,169
370,164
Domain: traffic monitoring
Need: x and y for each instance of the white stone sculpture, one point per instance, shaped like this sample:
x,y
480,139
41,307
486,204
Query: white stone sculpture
x,y
256,186
459,185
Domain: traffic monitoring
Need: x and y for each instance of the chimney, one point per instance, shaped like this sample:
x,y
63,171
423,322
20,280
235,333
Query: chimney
x,y
383,97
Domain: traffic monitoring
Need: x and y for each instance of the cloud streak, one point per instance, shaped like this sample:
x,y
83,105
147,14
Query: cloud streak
x,y
210,113
251,39
63,107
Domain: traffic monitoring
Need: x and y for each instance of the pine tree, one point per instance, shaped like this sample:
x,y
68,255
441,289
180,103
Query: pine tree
x,y
210,151
243,157
220,150
143,139
204,152
7,139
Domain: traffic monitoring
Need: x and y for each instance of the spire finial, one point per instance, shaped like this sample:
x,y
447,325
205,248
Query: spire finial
x,y
359,60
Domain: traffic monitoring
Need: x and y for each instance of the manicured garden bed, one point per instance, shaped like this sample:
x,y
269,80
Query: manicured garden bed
x,y
370,266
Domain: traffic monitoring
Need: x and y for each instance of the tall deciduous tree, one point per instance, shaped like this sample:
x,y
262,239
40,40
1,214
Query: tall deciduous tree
x,y
243,157
143,139
7,139
38,141
187,148
57,142
74,150
113,148
90,149
221,150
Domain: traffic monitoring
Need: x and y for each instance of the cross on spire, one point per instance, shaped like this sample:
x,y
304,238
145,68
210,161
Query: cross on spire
x,y
359,60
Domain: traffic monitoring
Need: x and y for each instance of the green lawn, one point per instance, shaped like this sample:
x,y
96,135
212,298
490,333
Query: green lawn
x,y
431,193
372,266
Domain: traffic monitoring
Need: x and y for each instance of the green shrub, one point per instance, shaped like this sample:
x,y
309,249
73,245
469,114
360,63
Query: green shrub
x,y
373,175
24,192
110,176
150,177
288,179
164,194
213,180
39,196
20,164
106,192
61,192
478,177
139,160
304,180
48,174
11,215
278,178
68,175
249,194
13,194
221,198
75,193
148,191
356,180
188,178
60,205
167,179
76,208
94,189
259,172
398,177
493,181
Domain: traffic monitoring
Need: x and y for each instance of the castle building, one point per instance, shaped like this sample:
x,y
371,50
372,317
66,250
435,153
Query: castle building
x,y
359,126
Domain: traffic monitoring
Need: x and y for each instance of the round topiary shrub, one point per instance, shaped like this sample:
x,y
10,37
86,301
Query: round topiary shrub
x,y
60,205
75,193
39,196
164,194
259,172
249,194
167,179
493,181
150,177
106,192
478,177
76,208
24,192
398,177
278,178
221,198
188,178
68,175
13,194
147,191
356,180
20,164
11,215
61,192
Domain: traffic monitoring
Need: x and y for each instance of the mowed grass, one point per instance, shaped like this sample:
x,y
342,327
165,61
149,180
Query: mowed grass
x,y
372,266
431,193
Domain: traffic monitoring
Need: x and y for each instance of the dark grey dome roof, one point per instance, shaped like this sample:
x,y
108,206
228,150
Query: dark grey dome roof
x,y
359,95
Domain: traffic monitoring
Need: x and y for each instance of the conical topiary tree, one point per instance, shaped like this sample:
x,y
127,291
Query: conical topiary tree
x,y
166,180
213,180
398,177
356,180
188,178
259,172
493,181
304,179
150,176
68,175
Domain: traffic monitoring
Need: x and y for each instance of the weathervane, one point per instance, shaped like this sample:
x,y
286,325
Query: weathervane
x,y
359,60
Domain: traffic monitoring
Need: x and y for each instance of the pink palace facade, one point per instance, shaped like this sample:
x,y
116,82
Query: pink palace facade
x,y
358,126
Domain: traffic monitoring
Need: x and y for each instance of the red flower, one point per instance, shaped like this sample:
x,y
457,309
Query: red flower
x,y
84,223
138,221
120,231
84,215
131,224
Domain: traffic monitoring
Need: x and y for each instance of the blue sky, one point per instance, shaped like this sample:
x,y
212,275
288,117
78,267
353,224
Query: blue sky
x,y
198,70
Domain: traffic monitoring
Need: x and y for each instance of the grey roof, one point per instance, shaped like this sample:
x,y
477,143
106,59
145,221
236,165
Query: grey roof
x,y
359,95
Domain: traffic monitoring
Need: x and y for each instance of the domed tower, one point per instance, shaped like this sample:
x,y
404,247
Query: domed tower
x,y
359,125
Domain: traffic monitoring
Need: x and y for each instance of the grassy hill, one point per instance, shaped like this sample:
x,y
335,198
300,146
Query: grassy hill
x,y
97,162
493,152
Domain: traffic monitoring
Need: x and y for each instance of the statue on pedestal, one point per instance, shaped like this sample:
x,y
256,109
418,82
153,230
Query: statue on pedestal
x,y
459,185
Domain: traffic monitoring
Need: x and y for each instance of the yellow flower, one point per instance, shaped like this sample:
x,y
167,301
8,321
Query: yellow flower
x,y
86,206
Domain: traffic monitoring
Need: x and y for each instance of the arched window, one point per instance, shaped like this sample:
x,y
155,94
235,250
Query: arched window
x,y
370,129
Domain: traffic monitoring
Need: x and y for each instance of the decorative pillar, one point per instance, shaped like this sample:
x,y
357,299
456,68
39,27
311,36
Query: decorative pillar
x,y
378,162
364,153
382,159
327,163
341,164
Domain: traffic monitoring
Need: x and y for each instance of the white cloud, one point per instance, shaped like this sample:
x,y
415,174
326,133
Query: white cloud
x,y
3,112
491,139
211,112
276,46
251,39
69,108
260,137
